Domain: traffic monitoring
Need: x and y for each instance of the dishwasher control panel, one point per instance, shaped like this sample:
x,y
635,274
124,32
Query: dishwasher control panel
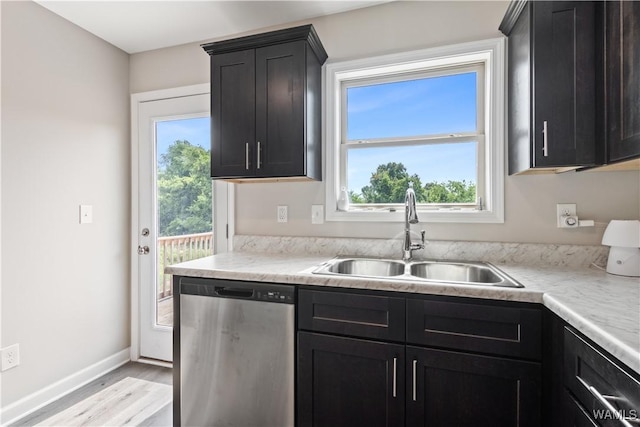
x,y
235,289
275,296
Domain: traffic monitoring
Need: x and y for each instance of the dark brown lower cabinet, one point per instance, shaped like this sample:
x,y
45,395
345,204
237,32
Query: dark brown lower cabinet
x,y
354,382
447,388
449,362
349,382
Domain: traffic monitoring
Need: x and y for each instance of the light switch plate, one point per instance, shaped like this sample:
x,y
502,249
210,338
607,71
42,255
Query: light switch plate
x,y
86,214
317,214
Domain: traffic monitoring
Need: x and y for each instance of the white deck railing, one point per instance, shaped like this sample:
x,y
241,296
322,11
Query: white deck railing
x,y
175,249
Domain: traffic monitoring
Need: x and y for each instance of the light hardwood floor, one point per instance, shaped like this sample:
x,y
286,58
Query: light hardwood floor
x,y
152,373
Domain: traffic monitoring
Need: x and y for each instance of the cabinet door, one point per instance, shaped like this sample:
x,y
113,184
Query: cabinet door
x,y
446,388
563,122
622,76
232,114
349,382
280,83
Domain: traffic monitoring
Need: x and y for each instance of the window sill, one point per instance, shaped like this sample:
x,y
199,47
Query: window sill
x,y
444,216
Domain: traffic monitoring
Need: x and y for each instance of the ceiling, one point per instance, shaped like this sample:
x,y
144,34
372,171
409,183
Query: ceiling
x,y
137,26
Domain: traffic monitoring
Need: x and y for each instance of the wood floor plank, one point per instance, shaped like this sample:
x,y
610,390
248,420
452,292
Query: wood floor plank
x,y
127,403
152,373
162,418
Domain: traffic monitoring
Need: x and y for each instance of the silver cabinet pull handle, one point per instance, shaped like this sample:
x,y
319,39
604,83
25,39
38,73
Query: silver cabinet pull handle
x,y
415,365
246,156
545,147
395,371
259,149
624,421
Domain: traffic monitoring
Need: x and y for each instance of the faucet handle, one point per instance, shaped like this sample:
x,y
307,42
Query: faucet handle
x,y
416,246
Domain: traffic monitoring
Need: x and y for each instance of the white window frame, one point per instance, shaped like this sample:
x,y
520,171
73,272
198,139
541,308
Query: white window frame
x,y
490,53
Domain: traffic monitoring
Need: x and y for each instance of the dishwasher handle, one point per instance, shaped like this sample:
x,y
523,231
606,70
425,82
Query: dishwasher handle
x,y
225,291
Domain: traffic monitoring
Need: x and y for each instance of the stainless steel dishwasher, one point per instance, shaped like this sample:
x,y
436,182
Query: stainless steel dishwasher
x,y
236,353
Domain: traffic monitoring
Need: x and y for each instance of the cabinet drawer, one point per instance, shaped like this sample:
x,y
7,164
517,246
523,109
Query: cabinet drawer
x,y
484,328
574,414
598,384
367,316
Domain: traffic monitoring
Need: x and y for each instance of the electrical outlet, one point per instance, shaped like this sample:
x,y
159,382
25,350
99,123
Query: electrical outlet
x,y
282,214
10,357
566,215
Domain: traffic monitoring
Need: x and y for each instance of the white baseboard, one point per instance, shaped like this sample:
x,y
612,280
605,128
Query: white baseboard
x,y
28,404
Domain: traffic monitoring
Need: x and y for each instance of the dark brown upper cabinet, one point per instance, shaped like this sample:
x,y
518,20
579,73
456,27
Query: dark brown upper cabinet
x,y
552,85
266,106
619,21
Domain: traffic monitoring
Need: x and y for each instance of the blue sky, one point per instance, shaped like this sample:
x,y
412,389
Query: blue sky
x,y
196,131
437,105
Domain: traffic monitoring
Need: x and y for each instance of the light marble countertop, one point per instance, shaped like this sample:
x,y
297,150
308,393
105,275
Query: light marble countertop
x,y
603,307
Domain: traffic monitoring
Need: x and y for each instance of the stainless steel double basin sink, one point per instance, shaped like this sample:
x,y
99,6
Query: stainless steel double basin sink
x,y
463,272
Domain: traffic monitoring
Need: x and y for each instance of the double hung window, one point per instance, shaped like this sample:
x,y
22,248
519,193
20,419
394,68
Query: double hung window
x,y
431,118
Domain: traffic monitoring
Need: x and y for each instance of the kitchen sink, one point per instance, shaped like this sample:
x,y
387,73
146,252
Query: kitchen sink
x,y
450,272
368,267
457,272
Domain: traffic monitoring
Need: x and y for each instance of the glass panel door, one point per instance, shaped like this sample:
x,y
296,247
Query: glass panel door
x,y
174,208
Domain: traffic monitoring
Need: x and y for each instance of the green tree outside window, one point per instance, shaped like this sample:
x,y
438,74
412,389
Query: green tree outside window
x,y
184,190
390,181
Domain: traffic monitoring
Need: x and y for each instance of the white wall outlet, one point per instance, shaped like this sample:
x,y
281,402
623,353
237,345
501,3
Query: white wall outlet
x,y
317,214
566,215
86,214
282,214
10,357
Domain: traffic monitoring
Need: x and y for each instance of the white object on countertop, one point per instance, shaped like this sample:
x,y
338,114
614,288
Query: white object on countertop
x,y
624,255
343,200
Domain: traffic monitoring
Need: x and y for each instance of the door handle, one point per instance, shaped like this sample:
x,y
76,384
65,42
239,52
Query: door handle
x,y
233,292
143,250
246,156
605,401
395,374
545,137
259,150
415,365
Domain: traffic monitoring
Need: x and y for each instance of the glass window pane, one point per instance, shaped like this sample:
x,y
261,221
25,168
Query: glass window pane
x,y
441,173
427,106
183,192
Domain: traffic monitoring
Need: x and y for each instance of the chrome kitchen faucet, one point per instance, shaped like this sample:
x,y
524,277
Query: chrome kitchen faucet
x,y
410,217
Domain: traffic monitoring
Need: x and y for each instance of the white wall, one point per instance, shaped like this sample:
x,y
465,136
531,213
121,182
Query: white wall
x,y
65,142
400,26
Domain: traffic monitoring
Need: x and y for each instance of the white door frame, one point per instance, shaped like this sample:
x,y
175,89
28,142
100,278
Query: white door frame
x,y
222,218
